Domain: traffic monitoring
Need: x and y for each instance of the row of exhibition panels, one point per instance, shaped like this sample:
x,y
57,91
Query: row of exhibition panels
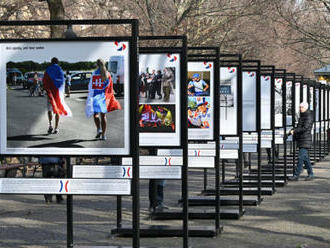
x,y
249,107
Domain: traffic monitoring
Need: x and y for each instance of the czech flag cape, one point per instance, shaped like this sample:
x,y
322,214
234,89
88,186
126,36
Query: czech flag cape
x,y
101,98
54,85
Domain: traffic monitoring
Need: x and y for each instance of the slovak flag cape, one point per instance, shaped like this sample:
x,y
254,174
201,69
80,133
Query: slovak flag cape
x,y
54,84
101,98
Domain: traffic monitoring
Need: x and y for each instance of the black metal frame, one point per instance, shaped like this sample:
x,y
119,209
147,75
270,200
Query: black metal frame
x,y
292,77
314,121
216,120
235,60
320,122
134,141
281,73
182,50
328,117
271,71
324,120
255,66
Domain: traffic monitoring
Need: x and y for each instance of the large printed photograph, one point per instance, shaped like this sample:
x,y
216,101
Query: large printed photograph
x,y
311,102
198,83
200,93
199,112
156,86
249,101
65,97
228,101
317,105
288,104
297,102
157,118
278,102
159,99
265,81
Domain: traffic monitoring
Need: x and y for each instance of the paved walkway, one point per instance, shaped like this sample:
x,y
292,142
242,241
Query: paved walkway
x,y
298,215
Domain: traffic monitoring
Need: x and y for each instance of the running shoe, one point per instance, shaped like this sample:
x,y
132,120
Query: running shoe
x,y
103,137
56,131
98,133
50,129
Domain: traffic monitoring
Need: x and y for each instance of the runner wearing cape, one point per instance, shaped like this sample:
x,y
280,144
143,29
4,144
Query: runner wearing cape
x,y
54,84
101,98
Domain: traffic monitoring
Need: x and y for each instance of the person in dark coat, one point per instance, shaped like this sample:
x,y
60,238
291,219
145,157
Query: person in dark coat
x,y
303,137
52,167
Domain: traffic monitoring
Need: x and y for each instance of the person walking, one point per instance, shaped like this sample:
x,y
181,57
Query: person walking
x,y
52,167
156,191
159,77
101,98
167,80
303,137
34,87
54,85
68,84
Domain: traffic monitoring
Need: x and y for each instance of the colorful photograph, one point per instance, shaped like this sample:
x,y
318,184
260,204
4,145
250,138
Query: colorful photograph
x,y
199,113
157,118
157,85
228,100
65,98
198,83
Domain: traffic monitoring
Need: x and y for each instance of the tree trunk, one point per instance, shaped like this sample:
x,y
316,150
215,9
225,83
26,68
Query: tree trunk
x,y
56,10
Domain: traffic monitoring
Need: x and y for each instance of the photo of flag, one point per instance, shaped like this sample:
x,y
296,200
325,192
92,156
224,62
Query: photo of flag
x,y
54,84
101,97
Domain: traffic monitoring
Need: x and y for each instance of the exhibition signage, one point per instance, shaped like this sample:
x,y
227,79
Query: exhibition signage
x,y
24,120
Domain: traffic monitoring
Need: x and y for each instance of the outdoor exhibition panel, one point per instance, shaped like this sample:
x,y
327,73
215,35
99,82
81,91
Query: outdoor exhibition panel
x,y
159,117
289,107
318,119
265,75
291,94
203,56
23,118
280,113
268,122
202,147
162,124
203,121
313,107
231,139
251,96
323,118
328,115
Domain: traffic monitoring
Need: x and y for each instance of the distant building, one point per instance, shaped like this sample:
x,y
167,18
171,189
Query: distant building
x,y
323,74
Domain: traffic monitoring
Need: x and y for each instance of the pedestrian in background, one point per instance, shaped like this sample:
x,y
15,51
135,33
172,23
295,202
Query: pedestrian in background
x,y
68,84
52,167
167,80
303,137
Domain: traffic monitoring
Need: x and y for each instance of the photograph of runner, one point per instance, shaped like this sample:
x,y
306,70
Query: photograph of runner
x,y
93,117
101,98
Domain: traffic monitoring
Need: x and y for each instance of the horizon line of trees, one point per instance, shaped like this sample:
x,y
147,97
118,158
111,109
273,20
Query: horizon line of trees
x,y
31,66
